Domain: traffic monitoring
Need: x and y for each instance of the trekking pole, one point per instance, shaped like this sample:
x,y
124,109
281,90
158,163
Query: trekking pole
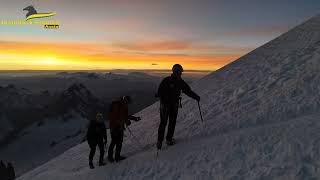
x,y
200,111
134,137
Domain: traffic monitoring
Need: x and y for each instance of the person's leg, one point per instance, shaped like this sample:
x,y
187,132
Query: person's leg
x,y
101,148
173,112
91,155
112,145
119,145
92,152
163,122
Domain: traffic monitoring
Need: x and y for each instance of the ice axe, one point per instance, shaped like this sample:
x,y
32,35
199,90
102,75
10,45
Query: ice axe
x,y
200,112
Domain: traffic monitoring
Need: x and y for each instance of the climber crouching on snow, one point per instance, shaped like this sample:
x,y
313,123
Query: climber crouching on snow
x,y
118,119
169,92
95,135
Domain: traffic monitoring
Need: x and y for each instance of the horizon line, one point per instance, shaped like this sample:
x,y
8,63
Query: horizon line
x,y
191,70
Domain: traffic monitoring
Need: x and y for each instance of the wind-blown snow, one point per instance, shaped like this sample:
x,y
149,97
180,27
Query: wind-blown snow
x,y
261,116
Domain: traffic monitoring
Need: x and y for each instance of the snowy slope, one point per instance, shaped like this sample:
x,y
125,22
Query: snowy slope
x,y
261,122
37,143
268,152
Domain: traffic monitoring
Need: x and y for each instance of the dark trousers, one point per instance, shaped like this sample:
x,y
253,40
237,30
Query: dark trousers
x,y
116,141
171,112
93,146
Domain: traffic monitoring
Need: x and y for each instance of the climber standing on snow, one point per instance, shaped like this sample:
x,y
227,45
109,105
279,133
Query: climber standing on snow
x,y
169,92
118,119
95,135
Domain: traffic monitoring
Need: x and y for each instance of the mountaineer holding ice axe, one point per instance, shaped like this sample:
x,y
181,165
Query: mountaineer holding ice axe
x,y
169,92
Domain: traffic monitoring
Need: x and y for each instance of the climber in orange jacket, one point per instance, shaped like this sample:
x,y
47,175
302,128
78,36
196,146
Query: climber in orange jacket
x,y
118,119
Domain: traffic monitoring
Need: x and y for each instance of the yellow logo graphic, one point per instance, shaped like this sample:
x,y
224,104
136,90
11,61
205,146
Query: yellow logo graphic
x,y
32,13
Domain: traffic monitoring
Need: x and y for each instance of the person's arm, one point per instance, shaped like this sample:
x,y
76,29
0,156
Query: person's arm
x,y
134,118
187,90
130,117
91,128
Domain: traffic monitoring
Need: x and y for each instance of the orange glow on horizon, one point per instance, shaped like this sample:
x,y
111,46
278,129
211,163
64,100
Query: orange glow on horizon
x,y
36,56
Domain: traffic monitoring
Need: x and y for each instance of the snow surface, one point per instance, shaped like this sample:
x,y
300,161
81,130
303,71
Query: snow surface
x,y
266,152
37,143
261,121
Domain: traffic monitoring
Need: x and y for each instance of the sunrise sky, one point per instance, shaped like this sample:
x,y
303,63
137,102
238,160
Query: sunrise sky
x,y
144,34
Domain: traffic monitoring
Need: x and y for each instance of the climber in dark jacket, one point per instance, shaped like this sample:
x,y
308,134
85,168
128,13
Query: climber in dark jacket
x,y
169,92
95,135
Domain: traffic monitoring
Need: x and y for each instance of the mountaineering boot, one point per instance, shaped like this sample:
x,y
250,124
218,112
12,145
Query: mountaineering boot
x,y
159,145
171,142
110,159
91,165
101,163
120,158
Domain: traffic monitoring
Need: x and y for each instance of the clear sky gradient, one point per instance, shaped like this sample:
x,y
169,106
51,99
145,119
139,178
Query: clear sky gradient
x,y
144,34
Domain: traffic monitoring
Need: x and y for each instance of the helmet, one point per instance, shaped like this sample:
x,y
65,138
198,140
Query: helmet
x,y
99,117
126,99
177,68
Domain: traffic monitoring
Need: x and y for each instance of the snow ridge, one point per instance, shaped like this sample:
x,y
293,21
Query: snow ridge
x,y
261,121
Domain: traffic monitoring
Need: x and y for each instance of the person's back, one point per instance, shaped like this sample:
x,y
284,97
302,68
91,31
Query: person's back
x,y
96,131
118,114
170,89
118,118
